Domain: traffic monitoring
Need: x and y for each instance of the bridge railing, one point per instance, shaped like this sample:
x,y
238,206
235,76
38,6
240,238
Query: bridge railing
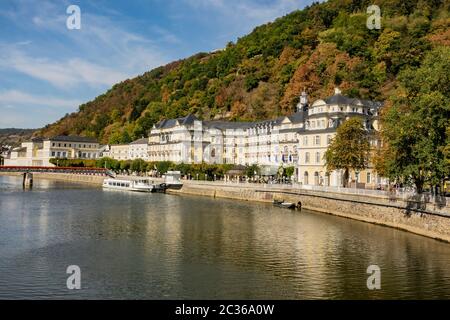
x,y
69,170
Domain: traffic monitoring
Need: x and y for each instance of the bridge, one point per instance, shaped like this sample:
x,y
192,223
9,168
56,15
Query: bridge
x,y
67,170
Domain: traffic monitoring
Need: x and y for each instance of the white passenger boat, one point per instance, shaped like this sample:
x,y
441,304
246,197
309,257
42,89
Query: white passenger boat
x,y
143,185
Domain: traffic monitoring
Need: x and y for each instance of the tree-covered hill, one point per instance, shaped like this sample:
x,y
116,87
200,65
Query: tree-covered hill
x,y
14,137
261,76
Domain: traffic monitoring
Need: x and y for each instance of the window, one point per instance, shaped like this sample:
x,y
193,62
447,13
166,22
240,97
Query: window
x,y
53,153
307,157
317,141
369,178
305,140
317,157
328,140
316,178
357,177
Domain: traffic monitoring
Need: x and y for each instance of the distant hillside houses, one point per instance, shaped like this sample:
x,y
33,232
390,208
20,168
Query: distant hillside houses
x,y
298,140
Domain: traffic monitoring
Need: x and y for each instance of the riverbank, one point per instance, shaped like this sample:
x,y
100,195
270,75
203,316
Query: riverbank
x,y
431,219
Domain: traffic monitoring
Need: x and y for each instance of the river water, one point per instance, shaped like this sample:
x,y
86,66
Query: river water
x,y
142,246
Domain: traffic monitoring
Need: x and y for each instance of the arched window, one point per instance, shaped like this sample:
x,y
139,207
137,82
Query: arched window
x,y
306,178
316,178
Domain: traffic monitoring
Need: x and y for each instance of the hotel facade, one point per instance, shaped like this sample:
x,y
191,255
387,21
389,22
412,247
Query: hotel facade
x,y
299,140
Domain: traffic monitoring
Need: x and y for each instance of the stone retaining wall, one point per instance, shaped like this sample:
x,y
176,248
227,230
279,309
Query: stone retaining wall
x,y
77,178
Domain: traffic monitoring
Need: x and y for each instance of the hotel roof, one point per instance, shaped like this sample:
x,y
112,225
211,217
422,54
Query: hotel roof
x,y
170,123
73,139
228,125
140,141
343,100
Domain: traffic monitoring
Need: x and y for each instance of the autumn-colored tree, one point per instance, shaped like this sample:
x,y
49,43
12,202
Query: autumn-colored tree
x,y
350,148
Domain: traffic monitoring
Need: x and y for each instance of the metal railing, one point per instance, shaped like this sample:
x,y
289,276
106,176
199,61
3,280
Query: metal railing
x,y
69,170
399,194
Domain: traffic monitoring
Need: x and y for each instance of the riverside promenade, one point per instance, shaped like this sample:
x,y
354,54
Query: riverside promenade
x,y
421,214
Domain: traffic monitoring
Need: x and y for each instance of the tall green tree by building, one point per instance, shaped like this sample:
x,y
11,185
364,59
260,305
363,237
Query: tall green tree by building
x,y
350,149
414,127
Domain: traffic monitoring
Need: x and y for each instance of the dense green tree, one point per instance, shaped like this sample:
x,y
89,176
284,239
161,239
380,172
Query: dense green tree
x,y
125,165
414,127
253,170
164,166
447,154
350,148
138,165
289,172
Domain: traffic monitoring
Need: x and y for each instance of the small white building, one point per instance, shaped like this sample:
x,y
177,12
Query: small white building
x,y
139,149
39,151
118,152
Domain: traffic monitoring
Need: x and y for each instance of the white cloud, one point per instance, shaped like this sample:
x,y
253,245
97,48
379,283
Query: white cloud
x,y
110,53
11,98
64,74
256,11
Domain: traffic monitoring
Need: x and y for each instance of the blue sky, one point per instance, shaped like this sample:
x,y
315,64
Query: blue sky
x,y
47,70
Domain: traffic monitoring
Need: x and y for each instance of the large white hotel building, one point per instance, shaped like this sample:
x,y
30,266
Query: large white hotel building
x,y
299,140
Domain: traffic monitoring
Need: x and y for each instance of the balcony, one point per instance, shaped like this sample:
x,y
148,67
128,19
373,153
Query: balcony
x,y
289,141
